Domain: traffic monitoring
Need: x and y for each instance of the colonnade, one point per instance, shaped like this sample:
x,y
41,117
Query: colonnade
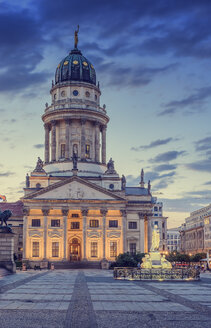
x,y
52,143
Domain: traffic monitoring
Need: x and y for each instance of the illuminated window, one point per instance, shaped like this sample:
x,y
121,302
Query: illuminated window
x,y
55,223
132,225
35,222
93,249
113,223
132,248
62,150
35,248
75,215
94,223
113,249
55,249
87,151
75,225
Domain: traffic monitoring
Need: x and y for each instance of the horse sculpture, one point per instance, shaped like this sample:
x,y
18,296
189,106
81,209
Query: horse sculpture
x,y
4,217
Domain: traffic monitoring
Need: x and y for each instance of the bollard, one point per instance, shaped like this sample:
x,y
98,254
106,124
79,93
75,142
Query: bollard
x,y
52,266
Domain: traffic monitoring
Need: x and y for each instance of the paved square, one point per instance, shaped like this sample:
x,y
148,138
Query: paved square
x,y
92,298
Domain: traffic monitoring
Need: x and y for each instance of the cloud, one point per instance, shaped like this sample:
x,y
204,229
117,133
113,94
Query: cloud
x,y
155,143
165,167
38,146
13,120
203,144
191,103
167,156
6,174
207,183
202,166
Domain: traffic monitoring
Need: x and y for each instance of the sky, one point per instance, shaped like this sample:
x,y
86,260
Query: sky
x,y
152,58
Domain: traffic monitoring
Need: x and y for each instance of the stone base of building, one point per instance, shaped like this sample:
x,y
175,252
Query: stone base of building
x,y
7,250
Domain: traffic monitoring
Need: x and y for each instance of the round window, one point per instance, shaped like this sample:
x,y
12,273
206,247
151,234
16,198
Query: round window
x,y
87,94
75,93
63,93
111,186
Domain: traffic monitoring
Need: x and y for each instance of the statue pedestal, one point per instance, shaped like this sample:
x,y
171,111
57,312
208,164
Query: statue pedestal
x,y
7,250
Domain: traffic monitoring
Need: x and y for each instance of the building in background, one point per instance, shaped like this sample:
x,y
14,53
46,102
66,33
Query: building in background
x,y
16,223
76,206
194,232
173,239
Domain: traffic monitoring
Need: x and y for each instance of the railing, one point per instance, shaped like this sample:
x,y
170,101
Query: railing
x,y
157,274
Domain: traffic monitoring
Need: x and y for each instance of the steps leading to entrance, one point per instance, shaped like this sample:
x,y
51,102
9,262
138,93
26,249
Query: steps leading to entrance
x,y
77,265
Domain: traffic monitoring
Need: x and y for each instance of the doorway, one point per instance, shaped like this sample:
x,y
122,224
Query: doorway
x,y
75,250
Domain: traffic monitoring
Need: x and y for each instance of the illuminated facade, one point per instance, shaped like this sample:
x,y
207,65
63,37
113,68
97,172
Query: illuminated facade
x,y
77,207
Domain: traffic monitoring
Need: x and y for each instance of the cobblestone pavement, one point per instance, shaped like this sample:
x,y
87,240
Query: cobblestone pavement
x,y
91,298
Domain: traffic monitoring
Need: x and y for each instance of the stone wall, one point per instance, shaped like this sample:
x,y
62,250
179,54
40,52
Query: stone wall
x,y
7,251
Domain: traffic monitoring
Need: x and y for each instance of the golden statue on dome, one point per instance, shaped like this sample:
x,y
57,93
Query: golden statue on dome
x,y
76,37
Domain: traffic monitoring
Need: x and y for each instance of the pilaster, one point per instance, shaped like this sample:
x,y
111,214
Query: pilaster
x,y
65,215
67,139
97,142
84,214
53,141
26,212
45,212
83,139
104,144
103,212
47,131
124,231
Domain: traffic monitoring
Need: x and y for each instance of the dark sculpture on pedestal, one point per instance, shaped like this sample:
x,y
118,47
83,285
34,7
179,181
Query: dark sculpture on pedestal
x,y
110,167
75,160
39,166
123,182
4,217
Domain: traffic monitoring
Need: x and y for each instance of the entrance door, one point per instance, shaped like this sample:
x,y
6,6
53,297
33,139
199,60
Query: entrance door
x,y
75,250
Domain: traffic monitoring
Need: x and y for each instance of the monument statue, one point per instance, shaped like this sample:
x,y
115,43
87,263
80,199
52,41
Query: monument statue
x,y
76,37
39,166
4,217
27,181
155,239
110,167
75,160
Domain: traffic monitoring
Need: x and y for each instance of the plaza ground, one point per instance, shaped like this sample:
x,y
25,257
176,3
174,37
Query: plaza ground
x,y
92,298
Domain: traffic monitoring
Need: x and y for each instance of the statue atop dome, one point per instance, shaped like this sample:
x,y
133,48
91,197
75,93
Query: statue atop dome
x,y
76,37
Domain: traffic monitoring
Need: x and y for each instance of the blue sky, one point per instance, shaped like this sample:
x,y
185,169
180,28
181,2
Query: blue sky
x,y
152,59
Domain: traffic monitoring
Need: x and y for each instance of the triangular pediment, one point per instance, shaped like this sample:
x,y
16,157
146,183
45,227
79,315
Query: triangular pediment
x,y
74,188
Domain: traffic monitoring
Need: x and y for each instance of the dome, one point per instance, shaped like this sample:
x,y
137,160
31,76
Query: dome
x,y
75,67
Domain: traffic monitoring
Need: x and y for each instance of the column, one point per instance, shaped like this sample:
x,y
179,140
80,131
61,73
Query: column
x,y
97,142
53,141
103,212
45,212
83,139
67,139
104,144
145,234
47,130
124,231
26,211
84,214
65,215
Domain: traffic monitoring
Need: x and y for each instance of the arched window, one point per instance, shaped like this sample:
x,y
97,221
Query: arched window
x,y
87,151
38,185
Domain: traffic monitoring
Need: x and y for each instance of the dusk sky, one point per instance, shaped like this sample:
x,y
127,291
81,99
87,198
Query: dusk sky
x,y
152,59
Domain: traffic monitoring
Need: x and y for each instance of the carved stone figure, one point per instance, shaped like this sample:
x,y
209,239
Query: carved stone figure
x,y
164,263
149,187
155,239
146,262
75,160
123,182
27,181
39,166
76,37
110,167
4,217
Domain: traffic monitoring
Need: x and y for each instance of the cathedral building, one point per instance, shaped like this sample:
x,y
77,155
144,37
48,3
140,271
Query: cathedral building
x,y
76,206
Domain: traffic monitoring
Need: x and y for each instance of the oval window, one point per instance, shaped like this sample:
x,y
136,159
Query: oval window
x,y
75,93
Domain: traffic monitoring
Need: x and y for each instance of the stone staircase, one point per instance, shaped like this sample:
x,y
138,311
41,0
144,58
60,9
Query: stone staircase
x,y
77,265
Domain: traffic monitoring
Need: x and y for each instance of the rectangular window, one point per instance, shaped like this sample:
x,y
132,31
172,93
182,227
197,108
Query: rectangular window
x,y
62,150
94,223
75,225
156,223
132,248
55,249
132,225
155,208
163,225
55,223
75,215
113,223
35,249
35,222
113,249
87,151
93,249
